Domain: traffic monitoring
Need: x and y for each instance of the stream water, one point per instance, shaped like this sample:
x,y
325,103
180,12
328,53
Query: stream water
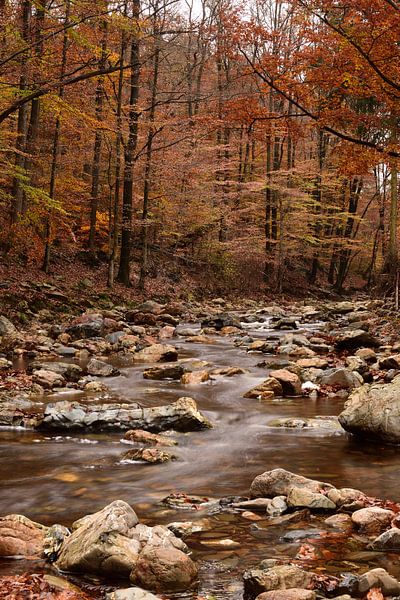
x,y
52,478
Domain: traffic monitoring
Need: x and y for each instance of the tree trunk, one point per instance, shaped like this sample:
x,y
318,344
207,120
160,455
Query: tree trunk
x,y
94,195
56,144
129,155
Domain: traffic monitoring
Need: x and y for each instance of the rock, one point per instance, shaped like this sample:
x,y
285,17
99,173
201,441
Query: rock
x,y
348,499
195,377
200,339
269,385
164,570
148,455
341,308
66,351
69,371
19,536
132,593
19,413
259,504
372,519
343,378
373,411
100,368
339,521
53,541
181,415
378,578
141,318
39,586
172,371
358,338
277,506
157,353
102,543
303,498
279,482
280,577
367,354
229,371
145,437
95,386
291,594
48,379
389,540
185,528
315,363
390,362
86,326
290,382
220,321
167,332
188,332
7,328
286,323
318,423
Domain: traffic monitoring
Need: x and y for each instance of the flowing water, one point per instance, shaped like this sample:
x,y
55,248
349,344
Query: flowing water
x,y
55,478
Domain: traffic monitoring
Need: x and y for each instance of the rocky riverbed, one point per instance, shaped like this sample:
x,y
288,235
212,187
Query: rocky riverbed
x,y
231,451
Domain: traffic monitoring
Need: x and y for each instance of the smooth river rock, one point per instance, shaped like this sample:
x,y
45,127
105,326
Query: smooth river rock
x,y
373,412
162,569
279,482
19,536
280,577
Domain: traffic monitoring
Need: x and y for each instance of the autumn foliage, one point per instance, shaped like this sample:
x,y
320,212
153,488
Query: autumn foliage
x,y
252,145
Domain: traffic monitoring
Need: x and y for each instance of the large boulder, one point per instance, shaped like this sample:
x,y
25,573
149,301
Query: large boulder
x,y
356,338
102,543
279,482
373,411
181,415
161,569
19,536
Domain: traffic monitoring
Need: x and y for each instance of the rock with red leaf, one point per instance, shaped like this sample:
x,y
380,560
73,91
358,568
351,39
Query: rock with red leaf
x,y
378,578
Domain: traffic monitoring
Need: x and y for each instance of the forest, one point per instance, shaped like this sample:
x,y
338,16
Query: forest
x,y
216,139
199,300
